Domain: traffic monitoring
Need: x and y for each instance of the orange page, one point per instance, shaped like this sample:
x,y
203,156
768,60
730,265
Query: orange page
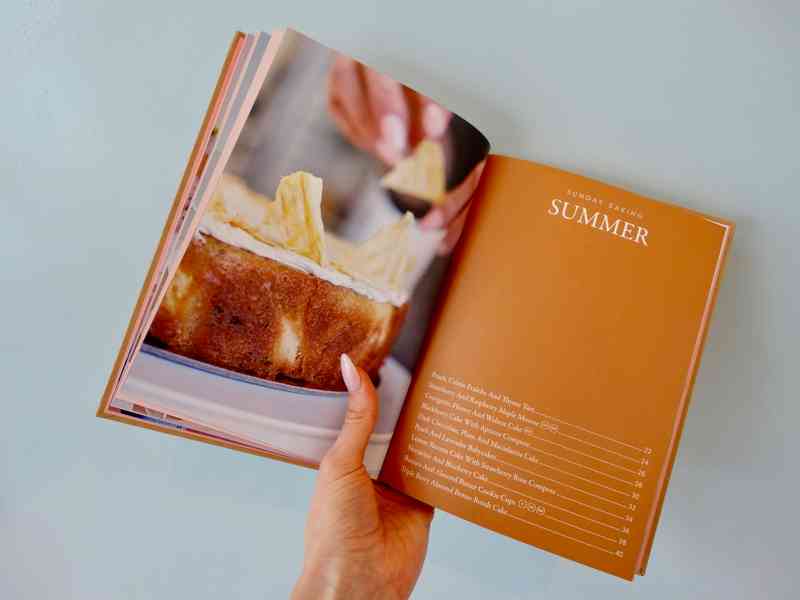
x,y
549,401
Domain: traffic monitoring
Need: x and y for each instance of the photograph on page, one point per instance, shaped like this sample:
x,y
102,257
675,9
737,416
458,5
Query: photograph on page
x,y
329,231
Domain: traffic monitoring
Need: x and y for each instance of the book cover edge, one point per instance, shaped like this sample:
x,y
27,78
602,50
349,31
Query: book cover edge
x,y
171,216
705,326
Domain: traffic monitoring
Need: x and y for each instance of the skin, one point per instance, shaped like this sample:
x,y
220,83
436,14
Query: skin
x,y
378,114
386,119
362,540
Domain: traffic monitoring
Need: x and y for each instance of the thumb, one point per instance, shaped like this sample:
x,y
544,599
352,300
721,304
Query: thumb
x,y
347,453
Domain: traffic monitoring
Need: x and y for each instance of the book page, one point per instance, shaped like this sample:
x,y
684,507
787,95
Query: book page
x,y
236,84
322,223
157,274
549,402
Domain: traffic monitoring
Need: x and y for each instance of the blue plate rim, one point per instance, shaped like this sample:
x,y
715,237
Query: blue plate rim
x,y
233,375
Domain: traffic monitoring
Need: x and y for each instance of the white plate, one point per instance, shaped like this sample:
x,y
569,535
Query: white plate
x,y
297,421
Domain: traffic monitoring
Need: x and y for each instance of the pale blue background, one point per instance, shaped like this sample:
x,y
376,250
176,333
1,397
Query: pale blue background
x,y
695,102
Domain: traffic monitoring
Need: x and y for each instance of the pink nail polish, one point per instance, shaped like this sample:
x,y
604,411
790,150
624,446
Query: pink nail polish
x,y
435,120
352,379
394,134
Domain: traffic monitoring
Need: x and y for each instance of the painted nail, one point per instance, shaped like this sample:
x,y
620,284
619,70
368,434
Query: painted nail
x,y
394,137
435,120
349,373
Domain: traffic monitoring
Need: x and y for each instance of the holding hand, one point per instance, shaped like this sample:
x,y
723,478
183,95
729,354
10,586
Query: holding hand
x,y
363,540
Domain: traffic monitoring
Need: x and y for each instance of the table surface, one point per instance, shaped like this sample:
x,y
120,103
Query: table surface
x,y
691,102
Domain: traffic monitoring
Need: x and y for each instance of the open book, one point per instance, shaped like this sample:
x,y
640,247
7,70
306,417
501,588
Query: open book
x,y
534,334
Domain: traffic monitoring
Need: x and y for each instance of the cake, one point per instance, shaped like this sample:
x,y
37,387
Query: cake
x,y
263,290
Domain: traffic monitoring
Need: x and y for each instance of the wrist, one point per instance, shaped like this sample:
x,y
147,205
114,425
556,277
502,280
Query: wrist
x,y
339,584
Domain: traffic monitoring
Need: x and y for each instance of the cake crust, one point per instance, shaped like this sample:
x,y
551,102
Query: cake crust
x,y
234,309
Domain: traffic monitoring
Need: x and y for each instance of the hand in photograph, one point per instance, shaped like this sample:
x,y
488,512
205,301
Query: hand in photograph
x,y
388,120
378,114
450,214
362,540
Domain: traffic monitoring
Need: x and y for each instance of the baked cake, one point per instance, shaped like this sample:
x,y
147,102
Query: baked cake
x,y
265,291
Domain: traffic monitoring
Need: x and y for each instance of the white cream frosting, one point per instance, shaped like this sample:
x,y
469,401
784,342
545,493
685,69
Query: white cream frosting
x,y
360,261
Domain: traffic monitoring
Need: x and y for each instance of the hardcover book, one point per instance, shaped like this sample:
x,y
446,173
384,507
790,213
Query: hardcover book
x,y
534,335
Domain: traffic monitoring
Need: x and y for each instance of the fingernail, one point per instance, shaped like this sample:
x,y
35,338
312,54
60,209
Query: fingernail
x,y
352,380
435,120
394,134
